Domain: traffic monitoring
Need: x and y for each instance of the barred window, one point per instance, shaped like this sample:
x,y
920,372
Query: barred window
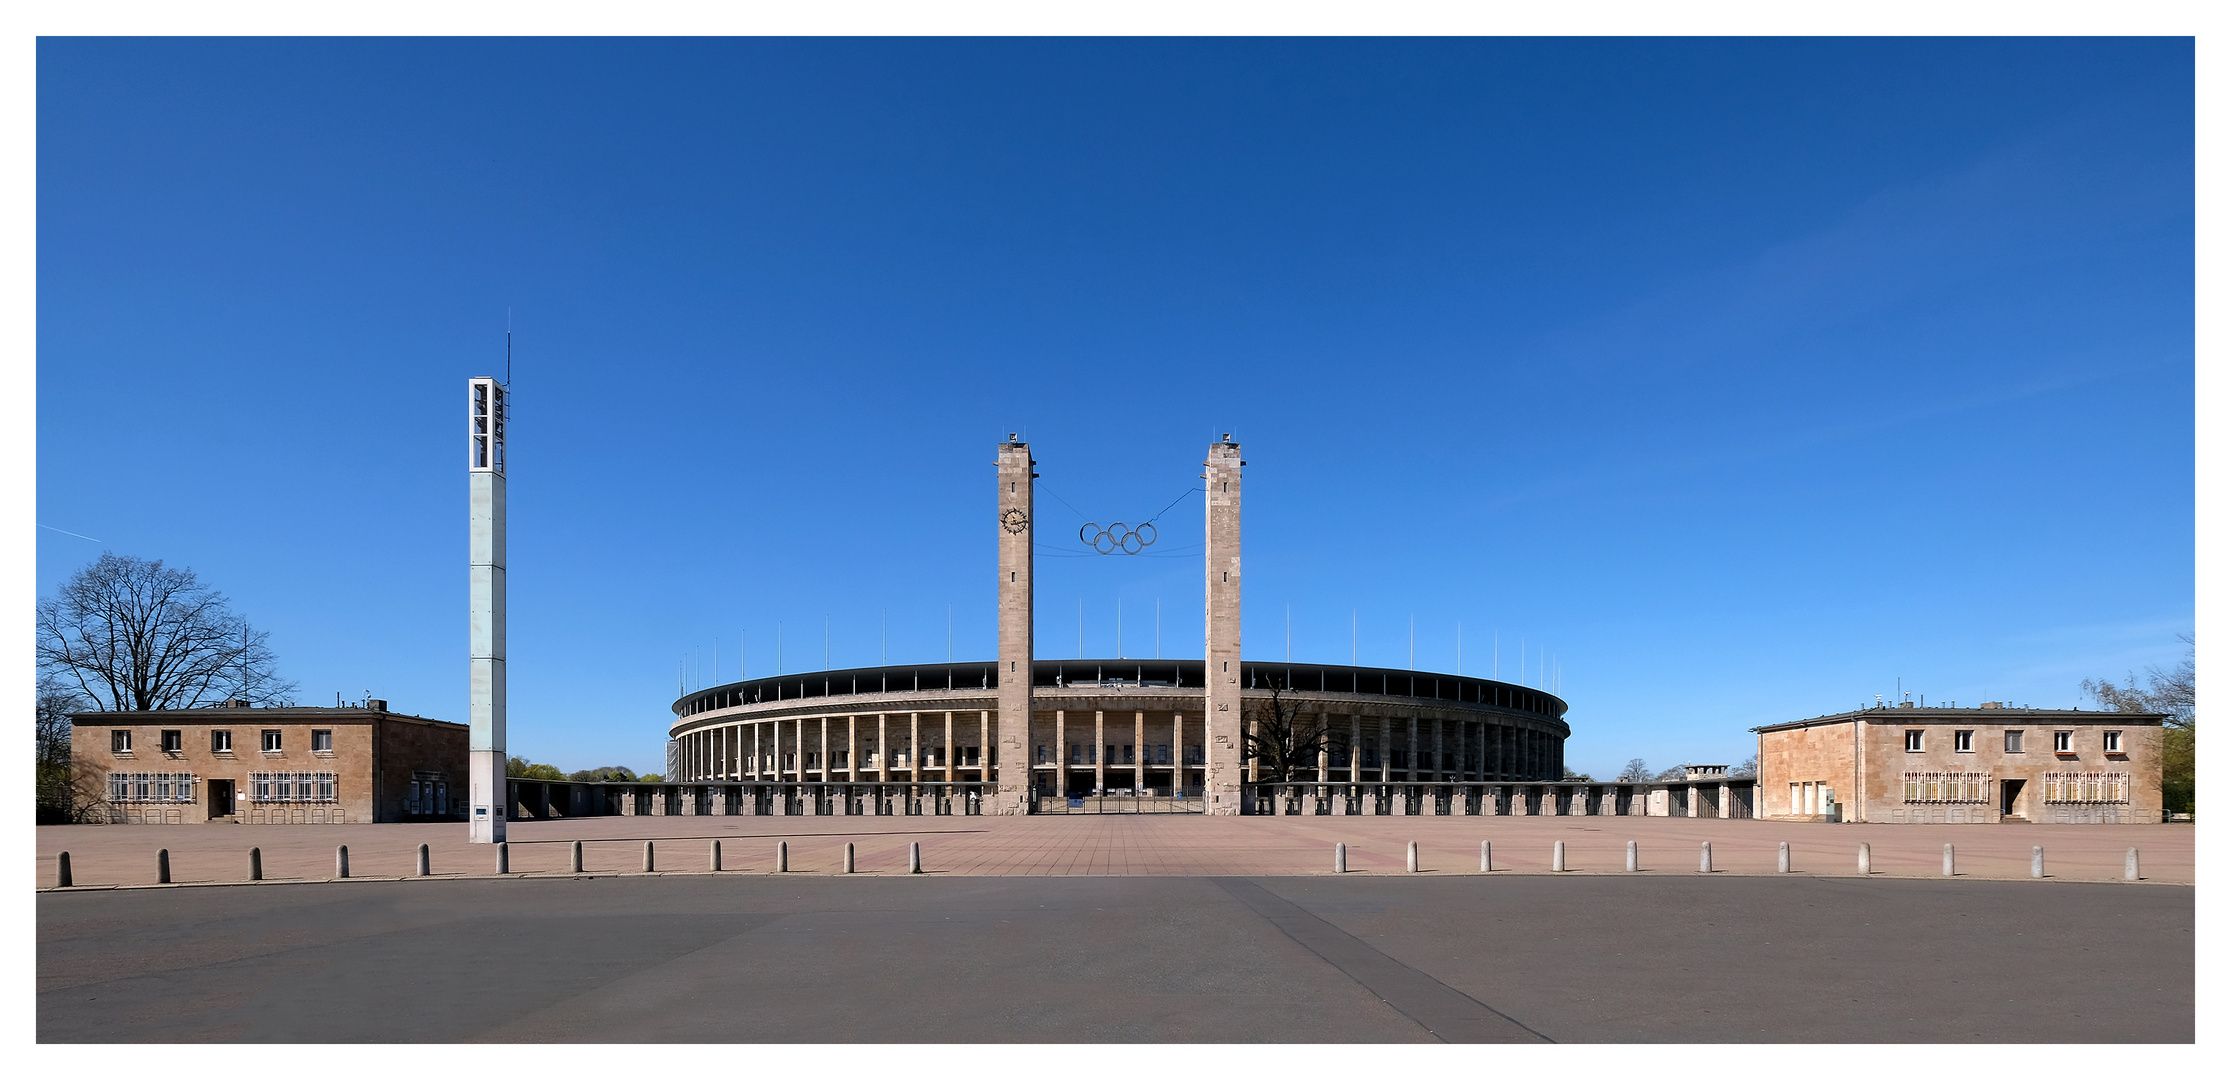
x,y
150,787
1947,787
2087,787
292,787
325,787
119,787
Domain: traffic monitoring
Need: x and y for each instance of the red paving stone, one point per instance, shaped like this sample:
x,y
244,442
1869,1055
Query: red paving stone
x,y
1169,845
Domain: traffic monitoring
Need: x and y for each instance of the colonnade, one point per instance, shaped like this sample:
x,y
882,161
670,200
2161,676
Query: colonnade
x,y
847,747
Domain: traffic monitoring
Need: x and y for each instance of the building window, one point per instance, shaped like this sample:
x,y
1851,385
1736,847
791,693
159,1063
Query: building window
x,y
1963,742
2087,787
172,741
220,742
271,741
1913,741
1947,787
2112,742
291,787
321,742
1045,754
2064,742
150,787
2013,742
119,742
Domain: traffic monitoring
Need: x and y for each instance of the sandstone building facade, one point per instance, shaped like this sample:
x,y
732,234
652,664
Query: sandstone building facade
x,y
291,765
1945,765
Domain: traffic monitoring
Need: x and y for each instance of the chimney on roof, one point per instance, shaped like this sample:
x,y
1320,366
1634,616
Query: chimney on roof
x,y
1992,705
237,703
376,704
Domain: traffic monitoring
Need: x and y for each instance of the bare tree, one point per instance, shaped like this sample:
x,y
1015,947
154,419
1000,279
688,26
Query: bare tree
x,y
129,634
2172,694
1635,772
1749,769
59,802
1282,743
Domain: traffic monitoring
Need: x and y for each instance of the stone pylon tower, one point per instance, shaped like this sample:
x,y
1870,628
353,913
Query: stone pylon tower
x,y
1017,529
1221,787
486,412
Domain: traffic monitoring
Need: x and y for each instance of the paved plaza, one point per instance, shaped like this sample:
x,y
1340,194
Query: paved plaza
x,y
1180,845
1369,958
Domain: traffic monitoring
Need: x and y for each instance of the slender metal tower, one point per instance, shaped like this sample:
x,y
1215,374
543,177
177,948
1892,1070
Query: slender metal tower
x,y
487,409
1221,786
1015,470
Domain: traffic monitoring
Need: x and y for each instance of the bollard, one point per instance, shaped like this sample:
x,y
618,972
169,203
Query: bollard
x,y
2037,862
1704,860
503,857
1557,858
162,867
1487,857
1781,861
425,861
341,861
914,857
716,856
1340,858
1634,856
848,853
1413,856
1948,860
1866,864
576,856
650,858
62,871
2130,865
782,856
255,864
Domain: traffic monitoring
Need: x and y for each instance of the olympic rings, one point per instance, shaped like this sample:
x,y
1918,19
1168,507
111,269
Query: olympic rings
x,y
1117,537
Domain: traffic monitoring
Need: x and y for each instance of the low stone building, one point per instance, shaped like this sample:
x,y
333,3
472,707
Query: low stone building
x,y
291,765
1946,765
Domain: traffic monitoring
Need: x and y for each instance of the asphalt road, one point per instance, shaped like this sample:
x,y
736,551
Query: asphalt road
x,y
1145,959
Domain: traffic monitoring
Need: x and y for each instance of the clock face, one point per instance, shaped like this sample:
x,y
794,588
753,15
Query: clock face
x,y
1014,521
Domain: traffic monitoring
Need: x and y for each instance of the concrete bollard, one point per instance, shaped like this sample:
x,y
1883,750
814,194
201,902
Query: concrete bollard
x,y
1948,860
574,857
341,861
782,856
650,857
1781,861
2130,865
1487,857
255,864
848,856
716,857
62,871
503,857
1557,857
2037,861
1413,858
1340,858
1634,856
425,861
1866,862
1704,859
914,857
162,866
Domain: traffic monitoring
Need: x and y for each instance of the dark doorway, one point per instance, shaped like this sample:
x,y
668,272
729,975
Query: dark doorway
x,y
220,798
2010,794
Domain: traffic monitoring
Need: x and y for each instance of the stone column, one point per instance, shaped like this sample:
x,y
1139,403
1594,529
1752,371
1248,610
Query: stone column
x,y
1138,753
1221,786
913,748
1410,752
984,746
1017,527
1177,754
1099,753
882,748
1061,753
947,749
1724,801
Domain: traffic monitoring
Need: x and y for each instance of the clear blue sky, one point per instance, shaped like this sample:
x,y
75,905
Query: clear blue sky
x,y
1748,378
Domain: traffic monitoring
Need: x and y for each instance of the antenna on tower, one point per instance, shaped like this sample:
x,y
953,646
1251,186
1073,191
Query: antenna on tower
x,y
507,348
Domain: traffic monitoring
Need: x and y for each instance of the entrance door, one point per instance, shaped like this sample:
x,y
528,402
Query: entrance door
x,y
2010,794
220,798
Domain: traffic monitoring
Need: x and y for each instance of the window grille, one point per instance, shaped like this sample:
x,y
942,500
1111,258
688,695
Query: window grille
x,y
1947,787
150,787
2087,787
292,787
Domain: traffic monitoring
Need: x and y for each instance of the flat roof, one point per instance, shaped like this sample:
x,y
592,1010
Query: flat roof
x,y
1938,714
223,714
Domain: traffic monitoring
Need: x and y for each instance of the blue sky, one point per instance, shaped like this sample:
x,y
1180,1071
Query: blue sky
x,y
1748,378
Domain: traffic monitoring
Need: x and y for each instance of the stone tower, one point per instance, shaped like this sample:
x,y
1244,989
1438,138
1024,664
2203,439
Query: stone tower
x,y
1016,530
1221,786
486,412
